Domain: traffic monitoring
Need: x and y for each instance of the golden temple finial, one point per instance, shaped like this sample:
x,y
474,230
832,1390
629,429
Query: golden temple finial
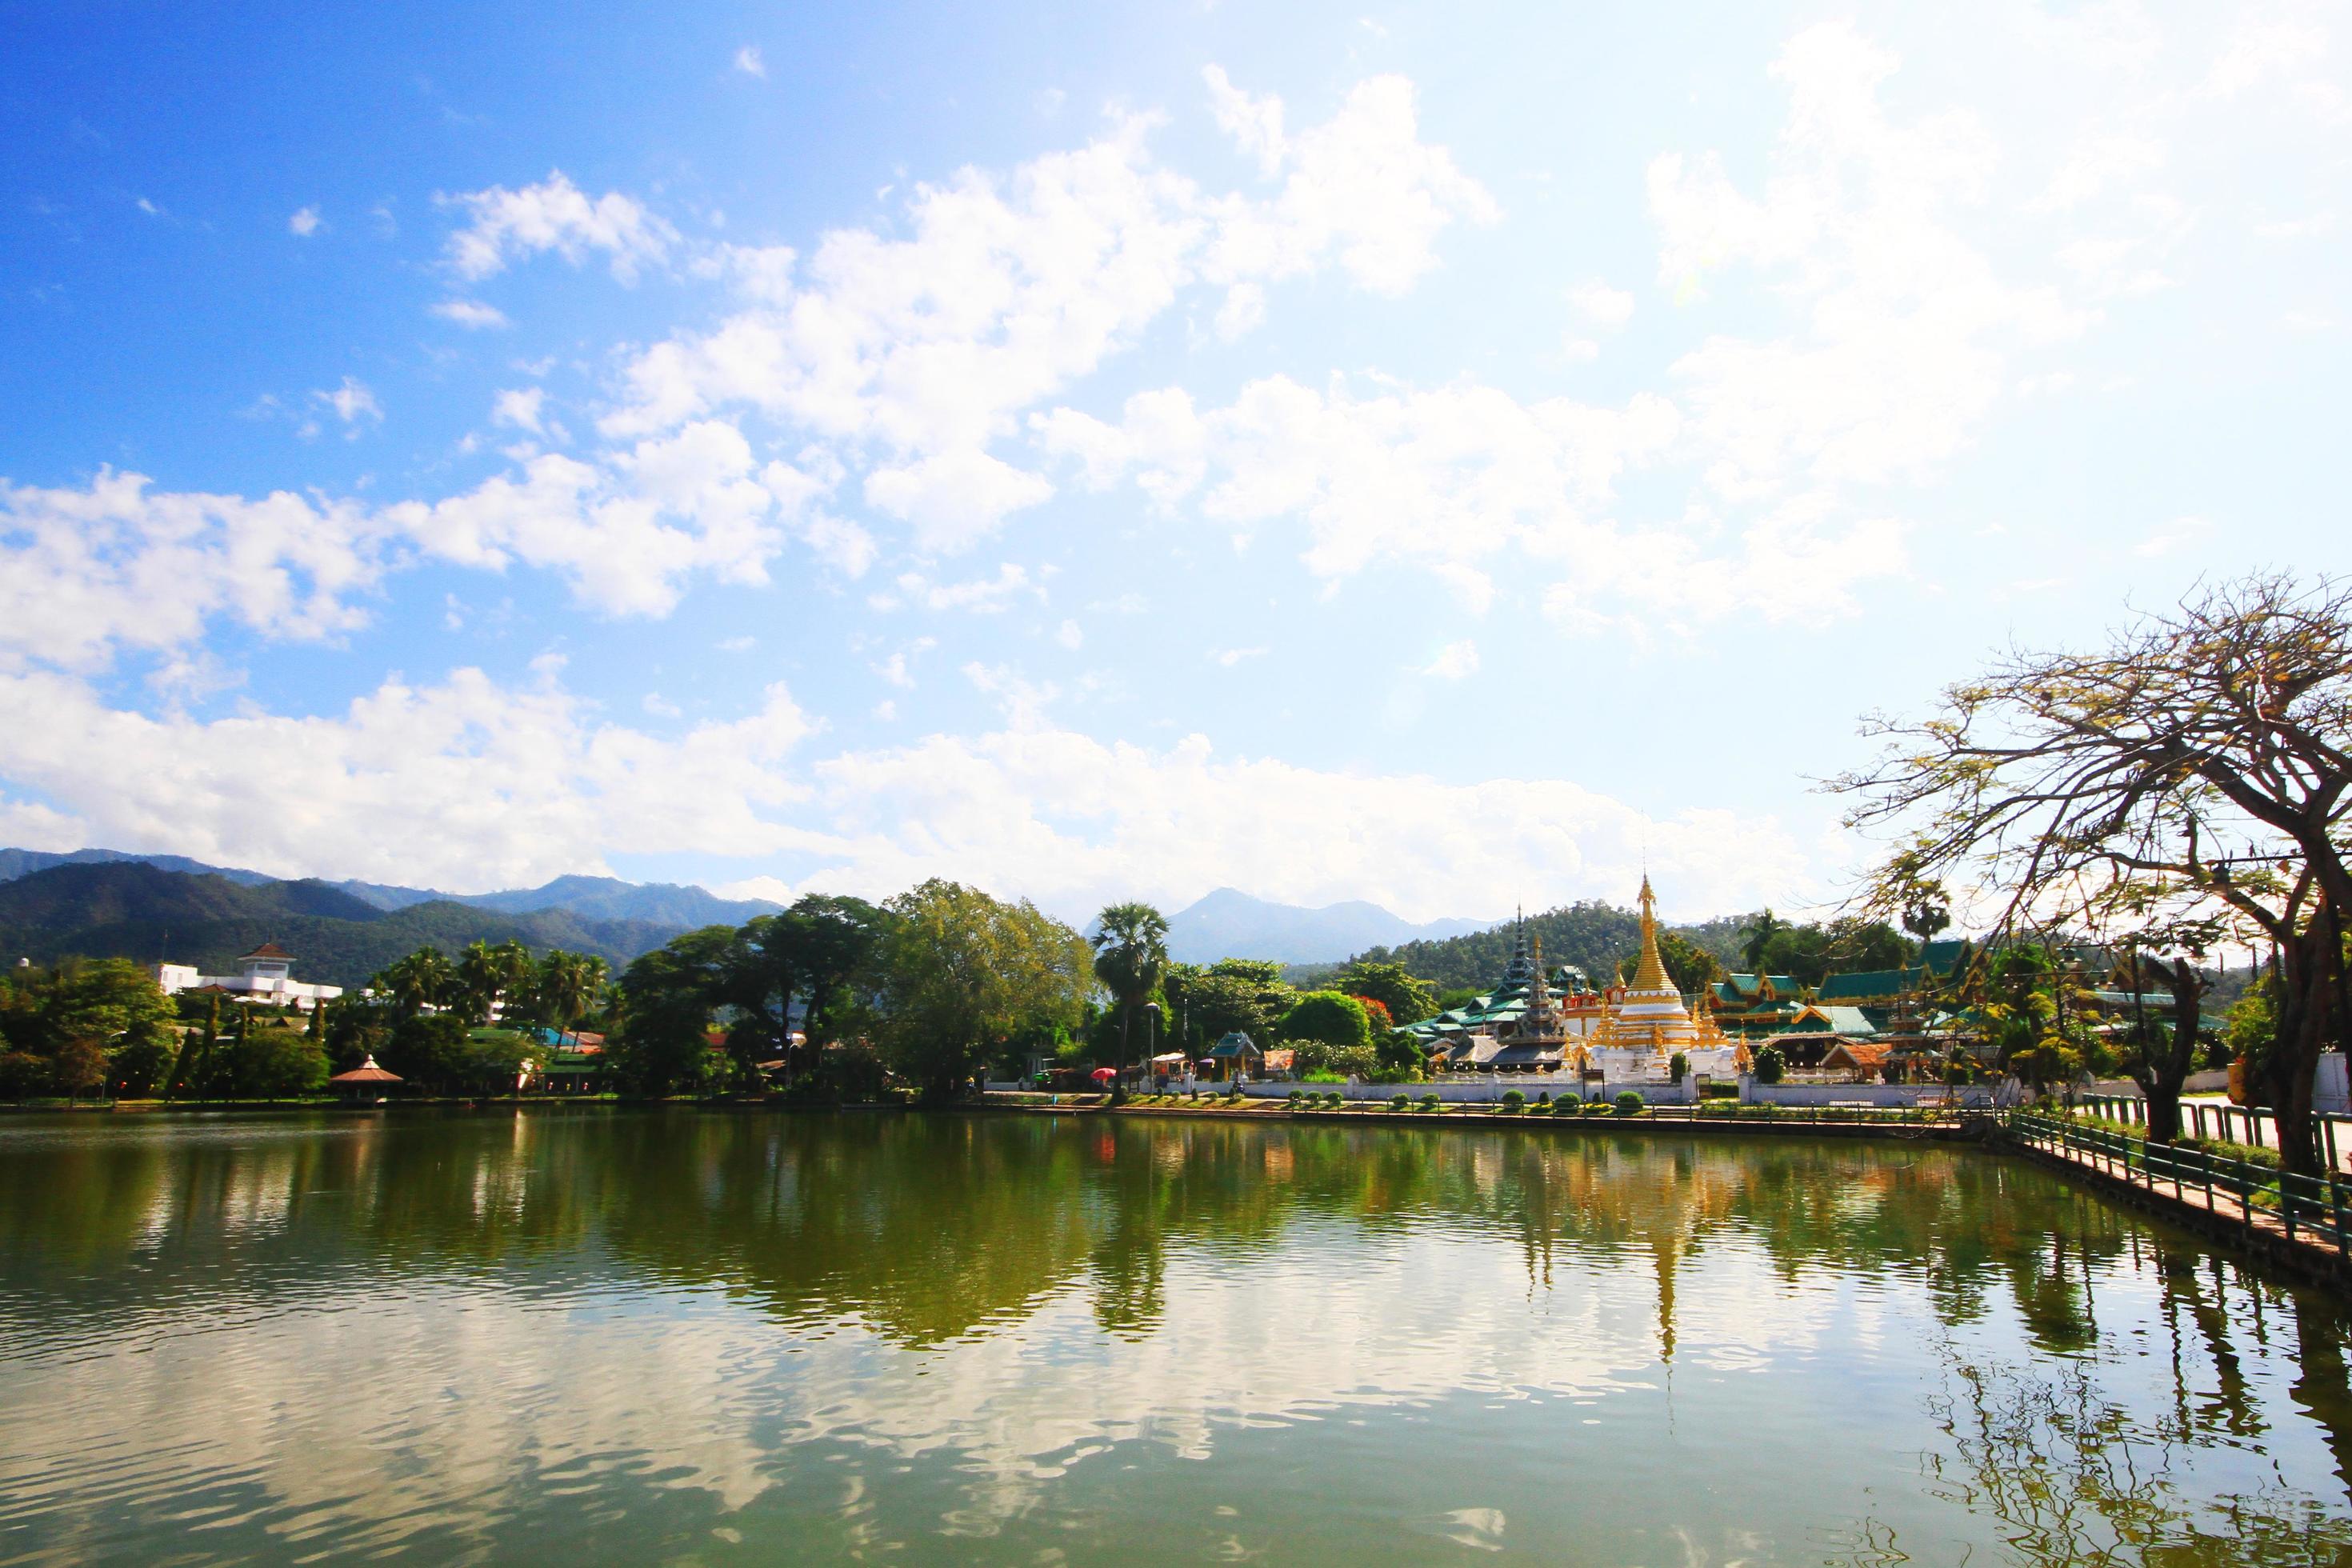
x,y
1650,975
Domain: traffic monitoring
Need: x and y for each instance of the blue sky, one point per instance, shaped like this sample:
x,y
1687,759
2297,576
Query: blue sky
x,y
1440,455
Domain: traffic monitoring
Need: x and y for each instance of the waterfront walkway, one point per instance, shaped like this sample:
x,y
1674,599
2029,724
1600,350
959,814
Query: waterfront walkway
x,y
2299,1221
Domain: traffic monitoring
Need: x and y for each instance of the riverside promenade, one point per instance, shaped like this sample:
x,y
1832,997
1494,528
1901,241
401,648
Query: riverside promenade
x,y
2297,1223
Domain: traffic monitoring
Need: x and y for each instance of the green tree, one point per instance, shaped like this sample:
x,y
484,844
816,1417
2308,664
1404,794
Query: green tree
x,y
426,978
1759,938
663,1047
1689,966
1324,1023
963,973
1130,944
276,1062
488,977
566,985
429,1049
1408,1000
2202,756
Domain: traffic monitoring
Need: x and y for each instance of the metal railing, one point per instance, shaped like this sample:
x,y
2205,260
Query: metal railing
x,y
2303,1205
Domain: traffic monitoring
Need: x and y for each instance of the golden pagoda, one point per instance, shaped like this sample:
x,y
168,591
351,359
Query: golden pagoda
x,y
1646,1023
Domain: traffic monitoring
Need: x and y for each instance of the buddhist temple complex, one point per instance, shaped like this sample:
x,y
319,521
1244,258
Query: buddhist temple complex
x,y
1628,1033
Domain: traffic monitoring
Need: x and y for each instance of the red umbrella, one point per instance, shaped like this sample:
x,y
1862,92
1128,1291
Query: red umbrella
x,y
1102,1075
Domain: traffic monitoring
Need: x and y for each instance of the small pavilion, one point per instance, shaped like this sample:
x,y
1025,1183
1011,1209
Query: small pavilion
x,y
366,1084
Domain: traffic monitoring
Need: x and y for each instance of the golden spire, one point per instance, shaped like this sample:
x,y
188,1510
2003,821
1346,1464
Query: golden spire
x,y
1650,975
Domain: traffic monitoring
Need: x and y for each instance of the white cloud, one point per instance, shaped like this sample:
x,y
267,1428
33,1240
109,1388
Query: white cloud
x,y
986,596
738,644
1070,637
1070,821
897,669
913,356
86,573
1606,308
351,402
1362,185
628,532
1452,474
519,406
470,314
1454,661
748,61
1906,326
956,497
304,223
2180,534
555,214
1228,658
466,785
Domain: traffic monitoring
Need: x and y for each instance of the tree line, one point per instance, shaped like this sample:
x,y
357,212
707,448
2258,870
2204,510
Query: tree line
x,y
2176,790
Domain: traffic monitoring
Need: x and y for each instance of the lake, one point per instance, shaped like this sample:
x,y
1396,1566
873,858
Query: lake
x,y
590,1335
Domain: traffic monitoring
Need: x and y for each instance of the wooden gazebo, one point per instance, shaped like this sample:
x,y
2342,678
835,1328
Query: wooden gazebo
x,y
366,1084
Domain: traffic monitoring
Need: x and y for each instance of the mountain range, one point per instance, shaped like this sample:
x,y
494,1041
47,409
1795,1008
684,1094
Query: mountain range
x,y
112,903
127,909
1229,923
591,898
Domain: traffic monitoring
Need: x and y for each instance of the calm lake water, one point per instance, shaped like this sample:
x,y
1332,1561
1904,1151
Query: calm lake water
x,y
590,1336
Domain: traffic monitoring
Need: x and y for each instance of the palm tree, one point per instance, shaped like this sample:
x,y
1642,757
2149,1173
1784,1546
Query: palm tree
x,y
567,984
1130,944
423,979
488,975
1760,937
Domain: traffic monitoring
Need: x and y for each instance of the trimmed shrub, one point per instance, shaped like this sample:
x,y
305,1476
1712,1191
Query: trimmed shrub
x,y
1397,1103
1428,1102
1629,1103
1513,1100
1543,1100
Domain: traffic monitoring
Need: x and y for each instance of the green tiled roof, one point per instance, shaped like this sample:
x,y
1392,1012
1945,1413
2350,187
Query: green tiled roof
x,y
1861,984
1848,1020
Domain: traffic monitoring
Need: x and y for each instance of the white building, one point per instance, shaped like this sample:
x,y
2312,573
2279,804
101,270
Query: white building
x,y
267,978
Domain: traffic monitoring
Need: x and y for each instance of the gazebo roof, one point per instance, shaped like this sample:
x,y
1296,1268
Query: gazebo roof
x,y
367,1072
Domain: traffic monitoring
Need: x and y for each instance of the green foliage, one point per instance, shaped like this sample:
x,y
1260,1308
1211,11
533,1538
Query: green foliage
x,y
1456,997
961,972
1628,1103
1594,936
1428,1102
1568,1104
86,1028
1398,1101
663,1045
1678,1068
1688,965
2250,1028
1217,1001
1514,1100
1770,1064
1329,1018
430,1050
1408,1000
274,1060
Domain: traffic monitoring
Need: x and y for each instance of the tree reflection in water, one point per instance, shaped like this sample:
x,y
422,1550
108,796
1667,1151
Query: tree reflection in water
x,y
2082,1362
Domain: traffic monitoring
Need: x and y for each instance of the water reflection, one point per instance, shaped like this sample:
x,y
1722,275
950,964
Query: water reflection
x,y
454,1333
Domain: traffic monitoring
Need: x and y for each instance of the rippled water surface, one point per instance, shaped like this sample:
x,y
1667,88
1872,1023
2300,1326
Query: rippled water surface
x,y
591,1336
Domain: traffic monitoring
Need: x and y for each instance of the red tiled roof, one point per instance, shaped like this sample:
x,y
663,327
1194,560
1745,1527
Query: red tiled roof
x,y
268,950
367,1072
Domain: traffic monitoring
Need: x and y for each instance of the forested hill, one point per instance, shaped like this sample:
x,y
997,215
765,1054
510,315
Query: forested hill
x,y
1592,935
130,909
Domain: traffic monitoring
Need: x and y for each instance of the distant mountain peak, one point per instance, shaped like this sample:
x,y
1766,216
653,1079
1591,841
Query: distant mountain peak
x,y
1230,923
